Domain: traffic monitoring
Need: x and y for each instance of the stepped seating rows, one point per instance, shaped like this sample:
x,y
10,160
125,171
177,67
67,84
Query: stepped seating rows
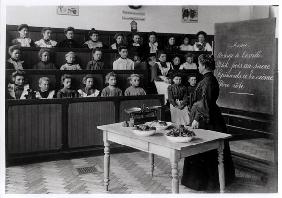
x,y
107,37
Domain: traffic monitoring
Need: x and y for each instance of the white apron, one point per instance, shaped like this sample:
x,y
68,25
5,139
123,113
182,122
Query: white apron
x,y
181,117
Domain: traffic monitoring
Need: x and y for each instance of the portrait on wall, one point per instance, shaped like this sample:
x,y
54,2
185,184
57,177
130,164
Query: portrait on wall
x,y
190,14
68,10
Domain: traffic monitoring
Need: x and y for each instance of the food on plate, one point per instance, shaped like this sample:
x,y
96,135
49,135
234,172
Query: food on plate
x,y
131,124
160,123
144,127
180,131
157,123
125,124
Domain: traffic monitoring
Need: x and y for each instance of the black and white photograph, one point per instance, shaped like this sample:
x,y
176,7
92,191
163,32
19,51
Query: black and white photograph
x,y
139,99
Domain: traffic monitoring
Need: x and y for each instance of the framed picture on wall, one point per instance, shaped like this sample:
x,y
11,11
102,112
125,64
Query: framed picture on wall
x,y
190,14
68,10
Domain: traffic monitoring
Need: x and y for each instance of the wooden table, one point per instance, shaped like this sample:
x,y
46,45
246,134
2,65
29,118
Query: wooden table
x,y
158,144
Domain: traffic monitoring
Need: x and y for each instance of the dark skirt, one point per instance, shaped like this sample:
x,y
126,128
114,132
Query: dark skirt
x,y
200,172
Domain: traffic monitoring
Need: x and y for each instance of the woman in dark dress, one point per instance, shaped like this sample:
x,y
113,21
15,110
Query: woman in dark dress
x,y
200,172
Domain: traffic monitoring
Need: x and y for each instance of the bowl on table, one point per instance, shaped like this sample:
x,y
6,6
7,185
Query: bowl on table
x,y
179,139
144,130
180,133
159,125
144,133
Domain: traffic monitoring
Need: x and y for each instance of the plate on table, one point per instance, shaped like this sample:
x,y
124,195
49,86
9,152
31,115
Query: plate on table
x,y
159,125
144,130
144,133
179,139
180,134
133,110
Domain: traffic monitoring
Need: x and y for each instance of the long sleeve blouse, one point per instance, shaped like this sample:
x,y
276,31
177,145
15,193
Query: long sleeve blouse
x,y
177,92
205,96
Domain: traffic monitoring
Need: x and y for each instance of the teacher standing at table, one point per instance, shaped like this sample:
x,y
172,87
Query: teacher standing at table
x,y
200,172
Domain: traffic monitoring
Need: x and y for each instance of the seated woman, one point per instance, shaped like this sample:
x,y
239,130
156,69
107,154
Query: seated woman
x,y
136,46
201,44
176,62
200,172
23,40
119,41
46,40
93,41
160,74
69,41
171,47
151,48
185,46
188,65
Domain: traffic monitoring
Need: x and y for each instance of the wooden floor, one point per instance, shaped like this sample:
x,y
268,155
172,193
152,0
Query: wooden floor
x,y
130,173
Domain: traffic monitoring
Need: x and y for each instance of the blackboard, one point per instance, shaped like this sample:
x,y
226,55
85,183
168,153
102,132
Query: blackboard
x,y
246,67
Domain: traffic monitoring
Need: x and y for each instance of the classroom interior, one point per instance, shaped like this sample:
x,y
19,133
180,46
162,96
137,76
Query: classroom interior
x,y
54,147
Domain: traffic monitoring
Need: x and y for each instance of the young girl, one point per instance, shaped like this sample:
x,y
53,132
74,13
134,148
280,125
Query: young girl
x,y
186,46
18,90
162,68
152,46
192,82
171,46
69,42
189,63
119,41
93,41
66,91
23,40
177,97
44,57
160,73
15,61
44,92
95,63
134,89
176,63
135,47
123,63
111,89
70,65
46,40
201,44
88,90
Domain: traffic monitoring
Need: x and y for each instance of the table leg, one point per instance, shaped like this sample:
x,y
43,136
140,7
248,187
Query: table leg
x,y
175,178
221,175
152,162
106,162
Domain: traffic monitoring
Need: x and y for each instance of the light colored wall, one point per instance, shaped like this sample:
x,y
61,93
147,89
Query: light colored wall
x,y
158,18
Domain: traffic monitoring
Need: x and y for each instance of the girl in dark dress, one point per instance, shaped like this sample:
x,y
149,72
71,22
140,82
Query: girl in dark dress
x,y
200,172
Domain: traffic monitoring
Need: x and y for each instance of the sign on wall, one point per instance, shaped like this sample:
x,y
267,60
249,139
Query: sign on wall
x,y
68,10
133,15
190,14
